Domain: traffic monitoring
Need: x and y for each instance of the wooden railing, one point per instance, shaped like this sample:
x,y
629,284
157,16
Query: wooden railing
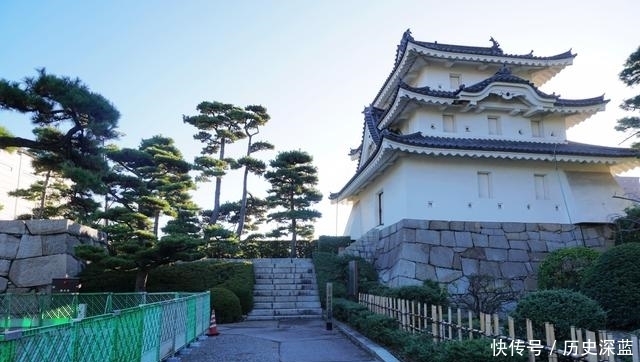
x,y
456,324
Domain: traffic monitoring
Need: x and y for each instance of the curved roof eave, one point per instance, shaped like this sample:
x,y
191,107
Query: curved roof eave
x,y
408,49
619,159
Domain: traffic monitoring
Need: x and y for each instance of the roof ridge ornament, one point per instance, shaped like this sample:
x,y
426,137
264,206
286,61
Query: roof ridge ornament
x,y
496,46
504,70
406,38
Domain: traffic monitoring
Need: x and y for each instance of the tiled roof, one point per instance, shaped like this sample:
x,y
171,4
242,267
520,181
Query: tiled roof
x,y
493,145
580,102
568,148
430,92
371,118
504,75
494,50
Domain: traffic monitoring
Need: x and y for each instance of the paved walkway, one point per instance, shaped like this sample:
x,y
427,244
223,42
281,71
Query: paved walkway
x,y
294,340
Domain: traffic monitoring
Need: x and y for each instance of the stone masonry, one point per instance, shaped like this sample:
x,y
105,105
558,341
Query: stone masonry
x,y
33,252
411,251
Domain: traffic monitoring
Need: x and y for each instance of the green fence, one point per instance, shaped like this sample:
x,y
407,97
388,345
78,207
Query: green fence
x,y
100,327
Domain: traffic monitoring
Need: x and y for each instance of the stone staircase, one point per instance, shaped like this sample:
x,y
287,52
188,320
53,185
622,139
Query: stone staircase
x,y
284,288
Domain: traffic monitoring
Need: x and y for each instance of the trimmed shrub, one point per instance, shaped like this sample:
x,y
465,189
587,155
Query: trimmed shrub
x,y
332,244
226,304
430,292
475,350
199,275
379,328
614,281
565,268
562,307
97,280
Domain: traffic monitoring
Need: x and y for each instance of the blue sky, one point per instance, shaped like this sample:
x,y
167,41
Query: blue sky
x,y
314,64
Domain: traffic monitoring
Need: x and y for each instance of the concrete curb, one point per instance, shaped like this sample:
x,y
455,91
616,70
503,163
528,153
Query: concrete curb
x,y
365,343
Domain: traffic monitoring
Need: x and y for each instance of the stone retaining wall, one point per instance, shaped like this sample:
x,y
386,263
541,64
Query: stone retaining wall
x,y
33,252
411,251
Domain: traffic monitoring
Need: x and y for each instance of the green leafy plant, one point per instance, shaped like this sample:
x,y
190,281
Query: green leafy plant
x,y
430,292
614,281
226,304
565,268
562,307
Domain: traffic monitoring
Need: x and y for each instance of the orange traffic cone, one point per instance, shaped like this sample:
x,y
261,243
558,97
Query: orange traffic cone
x,y
213,328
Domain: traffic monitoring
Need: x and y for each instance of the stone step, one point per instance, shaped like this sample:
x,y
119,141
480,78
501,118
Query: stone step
x,y
285,288
284,298
286,305
285,293
284,276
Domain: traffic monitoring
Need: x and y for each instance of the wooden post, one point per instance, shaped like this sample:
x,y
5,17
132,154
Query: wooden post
x,y
481,323
434,323
551,341
470,317
591,339
579,339
459,324
635,349
496,325
532,356
329,306
449,320
440,324
512,330
403,314
425,316
488,326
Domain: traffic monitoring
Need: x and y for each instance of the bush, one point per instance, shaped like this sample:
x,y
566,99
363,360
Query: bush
x,y
430,292
226,304
475,350
565,268
379,328
333,268
332,244
562,307
614,281
627,228
98,280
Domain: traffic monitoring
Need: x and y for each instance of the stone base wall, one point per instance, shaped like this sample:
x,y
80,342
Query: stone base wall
x,y
33,252
411,251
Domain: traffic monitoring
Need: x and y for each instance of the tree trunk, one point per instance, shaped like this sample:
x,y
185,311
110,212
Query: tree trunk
x,y
243,202
43,196
215,214
156,223
294,240
141,280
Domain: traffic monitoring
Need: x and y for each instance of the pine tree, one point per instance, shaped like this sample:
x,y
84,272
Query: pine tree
x,y
255,117
630,75
293,190
146,183
218,125
71,124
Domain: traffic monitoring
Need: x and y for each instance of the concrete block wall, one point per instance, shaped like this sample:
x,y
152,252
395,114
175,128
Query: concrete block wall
x,y
411,251
33,252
